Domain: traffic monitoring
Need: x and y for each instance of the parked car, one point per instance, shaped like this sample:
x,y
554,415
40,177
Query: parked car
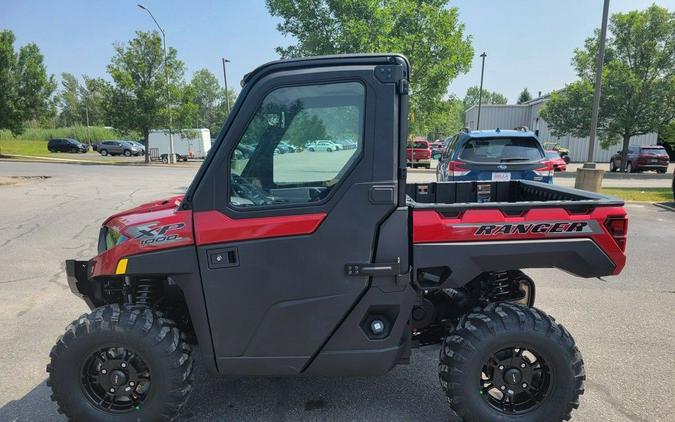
x,y
558,163
285,147
66,145
324,145
346,143
139,145
498,155
562,151
418,154
118,148
437,148
641,158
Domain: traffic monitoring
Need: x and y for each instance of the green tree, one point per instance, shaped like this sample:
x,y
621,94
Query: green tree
x,y
488,97
139,100
94,93
428,32
524,96
209,97
638,80
69,101
25,87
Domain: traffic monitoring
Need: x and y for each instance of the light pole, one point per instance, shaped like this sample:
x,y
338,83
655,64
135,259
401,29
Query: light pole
x,y
172,156
598,86
227,94
480,91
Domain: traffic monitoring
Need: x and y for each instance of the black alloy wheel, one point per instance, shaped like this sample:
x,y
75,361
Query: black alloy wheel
x,y
115,379
515,380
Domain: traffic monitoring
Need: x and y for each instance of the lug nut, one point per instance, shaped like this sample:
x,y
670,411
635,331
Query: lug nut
x,y
524,385
123,365
501,367
104,371
522,365
112,390
502,388
131,383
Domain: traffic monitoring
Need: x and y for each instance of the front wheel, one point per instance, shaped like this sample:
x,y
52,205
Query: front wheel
x,y
103,152
511,363
612,166
127,153
120,364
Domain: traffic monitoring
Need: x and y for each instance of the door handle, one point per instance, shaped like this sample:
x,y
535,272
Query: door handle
x,y
222,258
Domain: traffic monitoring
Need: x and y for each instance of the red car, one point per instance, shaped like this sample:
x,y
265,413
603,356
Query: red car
x,y
558,163
419,154
642,158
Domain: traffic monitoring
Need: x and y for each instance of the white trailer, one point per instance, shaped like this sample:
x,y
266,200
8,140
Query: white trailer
x,y
187,143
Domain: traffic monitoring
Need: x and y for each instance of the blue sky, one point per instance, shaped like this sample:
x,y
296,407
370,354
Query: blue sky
x,y
528,42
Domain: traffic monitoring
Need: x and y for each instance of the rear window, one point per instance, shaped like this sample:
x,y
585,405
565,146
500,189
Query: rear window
x,y
489,150
652,151
421,145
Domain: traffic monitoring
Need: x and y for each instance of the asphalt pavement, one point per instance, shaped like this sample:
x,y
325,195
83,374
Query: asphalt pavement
x,y
624,325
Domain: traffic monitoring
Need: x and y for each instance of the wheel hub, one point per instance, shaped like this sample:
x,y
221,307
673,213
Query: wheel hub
x,y
115,380
515,380
513,376
118,377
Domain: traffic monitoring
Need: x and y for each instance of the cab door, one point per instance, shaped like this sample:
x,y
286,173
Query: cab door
x,y
276,231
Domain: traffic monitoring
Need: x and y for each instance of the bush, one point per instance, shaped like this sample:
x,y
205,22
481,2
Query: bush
x,y
81,133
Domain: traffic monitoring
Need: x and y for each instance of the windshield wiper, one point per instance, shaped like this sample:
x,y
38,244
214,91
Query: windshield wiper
x,y
514,159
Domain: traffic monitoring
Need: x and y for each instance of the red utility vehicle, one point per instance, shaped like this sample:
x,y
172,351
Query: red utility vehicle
x,y
275,268
419,154
558,163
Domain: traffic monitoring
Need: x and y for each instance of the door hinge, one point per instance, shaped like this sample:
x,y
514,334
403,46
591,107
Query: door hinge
x,y
374,269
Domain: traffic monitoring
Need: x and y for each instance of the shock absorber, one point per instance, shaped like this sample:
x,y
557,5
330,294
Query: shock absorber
x,y
499,286
145,293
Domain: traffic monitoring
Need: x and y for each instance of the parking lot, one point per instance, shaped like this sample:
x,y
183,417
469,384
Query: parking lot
x,y
624,325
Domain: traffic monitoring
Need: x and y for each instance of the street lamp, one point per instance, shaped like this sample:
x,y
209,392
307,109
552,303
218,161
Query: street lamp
x,y
227,94
480,91
590,163
172,156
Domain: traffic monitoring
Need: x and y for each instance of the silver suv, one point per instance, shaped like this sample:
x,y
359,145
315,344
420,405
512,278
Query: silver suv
x,y
118,148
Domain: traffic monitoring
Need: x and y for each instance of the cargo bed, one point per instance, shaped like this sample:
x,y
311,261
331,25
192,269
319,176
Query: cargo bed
x,y
513,196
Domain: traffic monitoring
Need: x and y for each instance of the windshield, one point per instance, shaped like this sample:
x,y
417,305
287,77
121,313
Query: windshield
x,y
491,150
653,151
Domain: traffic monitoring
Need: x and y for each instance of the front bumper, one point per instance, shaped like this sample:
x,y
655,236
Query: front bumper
x,y
77,273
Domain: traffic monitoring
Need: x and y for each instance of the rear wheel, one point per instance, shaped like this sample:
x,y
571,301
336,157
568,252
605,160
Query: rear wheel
x,y
629,167
612,166
120,364
511,363
104,152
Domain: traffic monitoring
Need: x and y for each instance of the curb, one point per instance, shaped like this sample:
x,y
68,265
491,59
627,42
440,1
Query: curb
x,y
664,206
50,160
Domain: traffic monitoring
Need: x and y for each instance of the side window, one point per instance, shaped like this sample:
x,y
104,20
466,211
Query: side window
x,y
300,144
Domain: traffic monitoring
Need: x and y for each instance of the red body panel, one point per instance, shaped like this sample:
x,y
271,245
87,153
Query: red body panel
x,y
149,228
215,227
430,226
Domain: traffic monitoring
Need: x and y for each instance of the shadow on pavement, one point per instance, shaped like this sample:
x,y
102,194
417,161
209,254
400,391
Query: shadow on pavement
x,y
406,393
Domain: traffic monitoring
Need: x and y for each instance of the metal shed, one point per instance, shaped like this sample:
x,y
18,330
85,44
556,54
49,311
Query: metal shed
x,y
509,116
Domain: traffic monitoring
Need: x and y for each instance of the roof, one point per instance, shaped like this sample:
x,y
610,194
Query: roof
x,y
331,60
498,132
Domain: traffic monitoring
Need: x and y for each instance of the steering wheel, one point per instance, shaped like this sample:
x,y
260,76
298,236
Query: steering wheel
x,y
245,189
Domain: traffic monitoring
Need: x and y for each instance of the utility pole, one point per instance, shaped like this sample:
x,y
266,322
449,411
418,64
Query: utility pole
x,y
480,91
172,156
598,87
227,94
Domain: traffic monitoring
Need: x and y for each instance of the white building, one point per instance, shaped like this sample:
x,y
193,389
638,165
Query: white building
x,y
509,116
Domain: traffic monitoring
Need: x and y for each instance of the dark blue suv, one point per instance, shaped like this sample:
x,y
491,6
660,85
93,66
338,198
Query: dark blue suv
x,y
498,155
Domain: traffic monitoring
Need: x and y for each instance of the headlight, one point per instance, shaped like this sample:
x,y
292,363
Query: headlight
x,y
109,237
